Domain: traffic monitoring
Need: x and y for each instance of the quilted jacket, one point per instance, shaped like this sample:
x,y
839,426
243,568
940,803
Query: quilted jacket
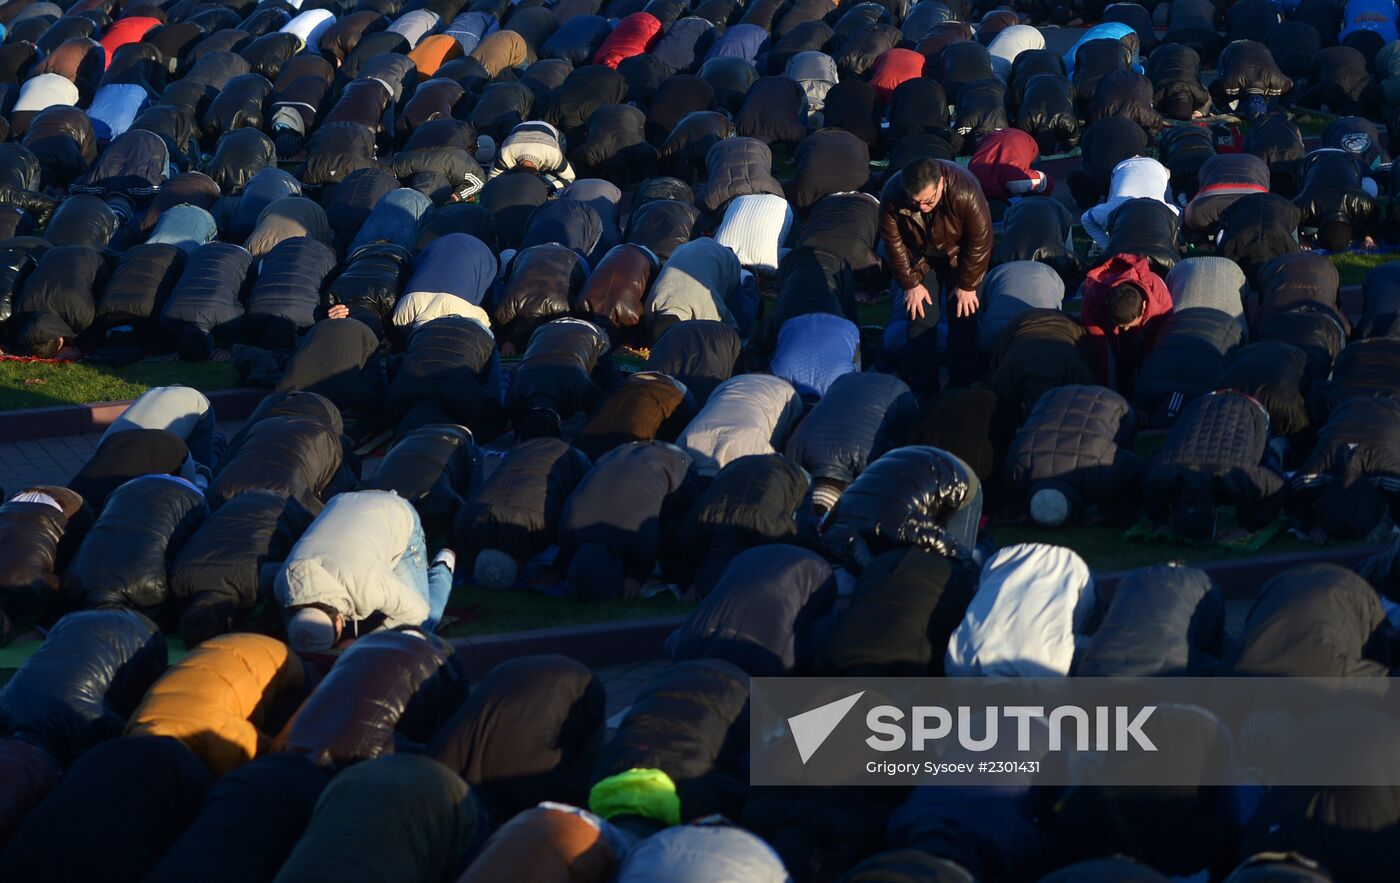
x,y
1077,438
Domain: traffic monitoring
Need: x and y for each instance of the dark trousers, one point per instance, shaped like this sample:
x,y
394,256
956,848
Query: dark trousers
x,y
919,363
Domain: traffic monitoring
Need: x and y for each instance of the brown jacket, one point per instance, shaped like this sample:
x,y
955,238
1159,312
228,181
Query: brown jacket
x,y
960,228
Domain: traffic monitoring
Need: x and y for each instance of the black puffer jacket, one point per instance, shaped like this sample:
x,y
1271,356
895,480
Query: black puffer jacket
x,y
688,721
902,499
387,686
677,97
1184,149
338,360
220,570
700,354
270,798
434,467
611,527
1163,621
82,219
1046,112
136,795
811,280
858,52
63,141
1365,369
15,266
1036,230
1332,191
1218,444
210,292
960,64
616,147
860,417
501,107
846,225
1247,67
565,221
852,105
124,456
1275,374
586,90
446,376
517,508
981,111
1190,353
1380,303
238,104
736,167
544,279
295,457
761,614
1256,229
370,283
906,605
751,502
1146,227
81,684
917,106
519,737
828,161
140,283
1093,61
290,281
240,155
122,561
772,112
1355,447
1175,71
1276,140
1302,278
61,288
1126,94
1313,620
557,369
1341,82
337,150
662,226
577,39
1312,328
35,541
1077,439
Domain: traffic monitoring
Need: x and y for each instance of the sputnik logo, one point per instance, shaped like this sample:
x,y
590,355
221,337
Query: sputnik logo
x,y
811,728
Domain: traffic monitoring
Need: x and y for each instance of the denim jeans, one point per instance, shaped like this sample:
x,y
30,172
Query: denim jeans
x,y
395,219
186,227
433,582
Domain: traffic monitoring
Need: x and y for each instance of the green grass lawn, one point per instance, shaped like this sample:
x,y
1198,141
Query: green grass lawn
x,y
1354,267
46,384
1105,550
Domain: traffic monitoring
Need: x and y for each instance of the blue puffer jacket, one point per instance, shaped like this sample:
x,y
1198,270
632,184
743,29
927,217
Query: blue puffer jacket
x,y
458,264
860,417
814,351
290,281
210,292
1111,30
703,854
84,680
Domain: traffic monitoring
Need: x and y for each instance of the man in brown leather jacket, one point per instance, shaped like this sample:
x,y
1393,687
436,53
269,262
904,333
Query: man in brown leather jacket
x,y
937,233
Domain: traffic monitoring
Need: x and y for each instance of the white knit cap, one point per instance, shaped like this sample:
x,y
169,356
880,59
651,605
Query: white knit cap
x,y
1049,507
495,570
311,630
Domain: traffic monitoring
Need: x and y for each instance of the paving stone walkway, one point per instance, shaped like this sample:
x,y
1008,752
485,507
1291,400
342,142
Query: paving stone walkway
x,y
55,460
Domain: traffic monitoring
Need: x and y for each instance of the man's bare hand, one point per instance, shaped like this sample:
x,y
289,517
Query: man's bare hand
x,y
965,302
1368,243
339,311
915,299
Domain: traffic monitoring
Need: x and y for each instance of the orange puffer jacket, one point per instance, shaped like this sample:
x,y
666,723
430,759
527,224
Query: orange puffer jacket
x,y
210,699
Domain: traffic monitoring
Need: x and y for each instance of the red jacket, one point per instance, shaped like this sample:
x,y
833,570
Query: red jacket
x,y
632,36
1119,354
892,68
124,31
1002,157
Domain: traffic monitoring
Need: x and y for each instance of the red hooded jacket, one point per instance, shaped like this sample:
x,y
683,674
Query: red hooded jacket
x,y
1002,157
126,30
632,36
1119,354
892,68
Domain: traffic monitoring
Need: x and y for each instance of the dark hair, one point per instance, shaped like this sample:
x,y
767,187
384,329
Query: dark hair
x,y
921,173
1334,235
194,344
1126,303
45,349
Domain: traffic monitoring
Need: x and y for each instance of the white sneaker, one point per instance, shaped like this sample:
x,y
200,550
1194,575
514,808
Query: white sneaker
x,y
448,557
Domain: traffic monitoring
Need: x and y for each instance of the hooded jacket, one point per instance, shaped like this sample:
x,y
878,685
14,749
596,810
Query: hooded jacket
x,y
1162,621
748,414
123,559
1175,71
760,612
210,700
1002,165
632,36
1031,608
1313,620
79,686
517,508
610,528
1246,68
107,790
520,735
1094,312
431,820
1219,442
346,560
1077,440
